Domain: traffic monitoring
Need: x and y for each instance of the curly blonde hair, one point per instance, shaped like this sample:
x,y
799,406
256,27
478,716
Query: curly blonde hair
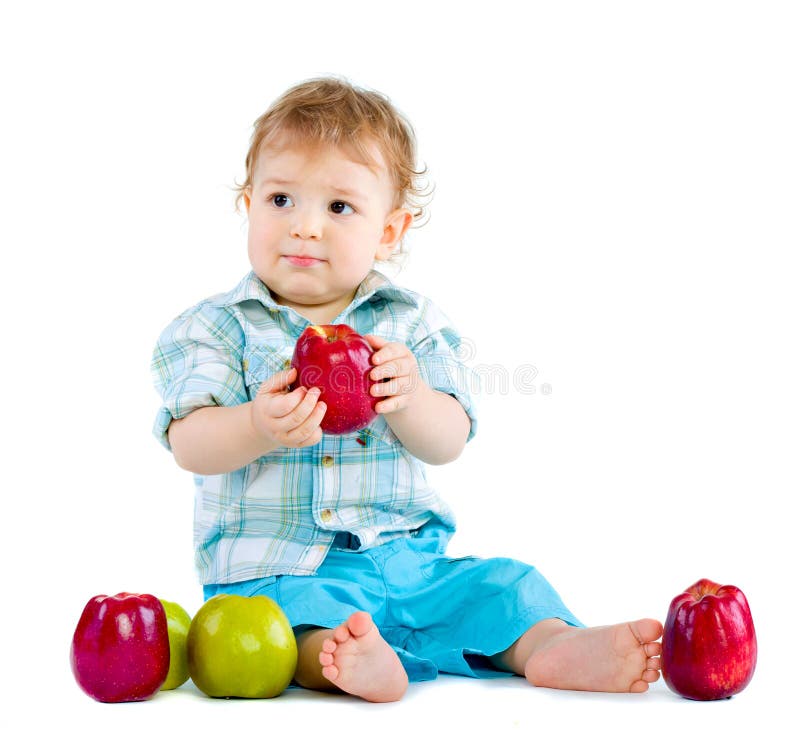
x,y
331,111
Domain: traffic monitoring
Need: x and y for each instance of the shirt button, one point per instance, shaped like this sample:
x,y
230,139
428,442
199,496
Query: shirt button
x,y
287,364
326,515
327,461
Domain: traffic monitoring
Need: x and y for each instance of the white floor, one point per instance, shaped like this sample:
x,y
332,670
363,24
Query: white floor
x,y
449,700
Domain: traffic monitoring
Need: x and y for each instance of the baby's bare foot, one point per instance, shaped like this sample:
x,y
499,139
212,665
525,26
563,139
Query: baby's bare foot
x,y
619,658
358,661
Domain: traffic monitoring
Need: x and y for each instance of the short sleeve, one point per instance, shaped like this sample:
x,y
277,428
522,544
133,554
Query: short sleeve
x,y
197,362
438,349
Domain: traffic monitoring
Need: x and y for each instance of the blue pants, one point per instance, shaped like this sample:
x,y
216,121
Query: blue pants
x,y
439,614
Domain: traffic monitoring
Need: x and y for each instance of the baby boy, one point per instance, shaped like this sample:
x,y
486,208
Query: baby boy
x,y
344,531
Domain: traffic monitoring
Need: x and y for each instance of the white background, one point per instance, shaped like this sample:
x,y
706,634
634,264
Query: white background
x,y
616,206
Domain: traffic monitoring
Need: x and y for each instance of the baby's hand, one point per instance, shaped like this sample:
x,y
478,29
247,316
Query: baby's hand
x,y
289,418
396,364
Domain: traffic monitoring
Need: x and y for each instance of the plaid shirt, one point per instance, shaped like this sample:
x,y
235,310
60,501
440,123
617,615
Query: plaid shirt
x,y
280,513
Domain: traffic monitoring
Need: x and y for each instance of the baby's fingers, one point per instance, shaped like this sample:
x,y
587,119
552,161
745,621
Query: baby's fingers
x,y
309,432
282,405
301,411
376,342
279,382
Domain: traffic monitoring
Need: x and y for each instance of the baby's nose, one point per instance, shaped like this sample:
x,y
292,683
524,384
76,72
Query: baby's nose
x,y
306,224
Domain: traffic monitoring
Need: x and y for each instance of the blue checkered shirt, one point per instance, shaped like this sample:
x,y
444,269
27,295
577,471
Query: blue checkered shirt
x,y
281,513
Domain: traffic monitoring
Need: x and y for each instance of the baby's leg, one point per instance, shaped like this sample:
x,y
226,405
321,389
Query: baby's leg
x,y
352,658
309,671
619,658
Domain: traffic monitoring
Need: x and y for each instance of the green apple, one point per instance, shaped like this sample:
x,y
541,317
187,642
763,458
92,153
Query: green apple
x,y
178,622
241,647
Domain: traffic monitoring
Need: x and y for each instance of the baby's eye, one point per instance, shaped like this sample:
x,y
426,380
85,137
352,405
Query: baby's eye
x,y
279,200
341,208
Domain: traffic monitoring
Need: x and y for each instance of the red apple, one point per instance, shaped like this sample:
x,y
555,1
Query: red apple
x,y
708,650
120,650
336,359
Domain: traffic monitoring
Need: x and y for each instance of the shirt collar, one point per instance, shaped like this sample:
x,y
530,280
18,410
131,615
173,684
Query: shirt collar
x,y
374,286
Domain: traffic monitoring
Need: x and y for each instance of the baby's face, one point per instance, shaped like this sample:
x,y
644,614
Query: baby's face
x,y
317,223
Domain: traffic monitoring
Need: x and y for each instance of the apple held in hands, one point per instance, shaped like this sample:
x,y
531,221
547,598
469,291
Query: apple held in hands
x,y
336,359
709,643
241,647
120,649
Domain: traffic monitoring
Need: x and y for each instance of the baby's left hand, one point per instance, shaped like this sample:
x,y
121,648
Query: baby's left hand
x,y
394,362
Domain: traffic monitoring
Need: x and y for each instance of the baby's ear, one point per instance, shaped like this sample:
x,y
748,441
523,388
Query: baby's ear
x,y
246,198
395,227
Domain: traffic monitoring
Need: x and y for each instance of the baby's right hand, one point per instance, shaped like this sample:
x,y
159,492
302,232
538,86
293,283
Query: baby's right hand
x,y
289,418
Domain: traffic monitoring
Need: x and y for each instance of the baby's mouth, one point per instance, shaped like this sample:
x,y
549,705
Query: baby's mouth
x,y
302,261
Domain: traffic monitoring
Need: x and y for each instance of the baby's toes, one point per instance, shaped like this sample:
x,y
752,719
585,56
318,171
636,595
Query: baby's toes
x,y
654,662
329,646
652,648
640,685
651,667
326,655
341,633
650,675
647,630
